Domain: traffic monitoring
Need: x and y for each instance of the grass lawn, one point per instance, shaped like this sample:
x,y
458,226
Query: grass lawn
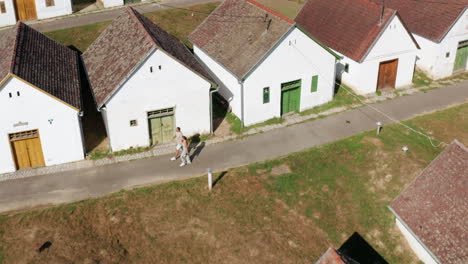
x,y
288,210
178,22
289,8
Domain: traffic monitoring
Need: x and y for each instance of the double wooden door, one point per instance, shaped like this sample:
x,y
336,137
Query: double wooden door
x,y
387,75
27,149
290,97
461,57
26,9
161,129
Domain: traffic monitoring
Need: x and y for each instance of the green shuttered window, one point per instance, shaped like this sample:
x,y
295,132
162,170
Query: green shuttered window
x,y
314,84
266,95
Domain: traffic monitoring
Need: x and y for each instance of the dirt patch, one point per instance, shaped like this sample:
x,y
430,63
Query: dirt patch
x,y
223,127
374,141
280,170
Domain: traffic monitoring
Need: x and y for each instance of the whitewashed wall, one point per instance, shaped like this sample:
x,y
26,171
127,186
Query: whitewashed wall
x,y
172,86
8,18
296,57
394,43
61,8
112,3
417,248
61,141
229,86
433,59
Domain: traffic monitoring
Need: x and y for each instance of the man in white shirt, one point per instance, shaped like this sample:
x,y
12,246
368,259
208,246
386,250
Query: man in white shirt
x,y
179,138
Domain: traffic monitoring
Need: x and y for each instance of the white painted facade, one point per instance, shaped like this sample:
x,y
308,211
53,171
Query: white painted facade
x,y
415,245
9,17
296,57
59,124
61,8
174,85
433,59
112,3
394,43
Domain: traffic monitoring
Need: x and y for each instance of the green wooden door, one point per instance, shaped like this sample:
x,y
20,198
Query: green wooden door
x,y
461,59
161,129
290,97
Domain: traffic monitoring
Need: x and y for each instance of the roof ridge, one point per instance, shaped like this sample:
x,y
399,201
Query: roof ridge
x,y
135,15
290,21
458,143
15,46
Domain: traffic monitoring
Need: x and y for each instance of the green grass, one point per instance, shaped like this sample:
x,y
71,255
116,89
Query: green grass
x,y
79,37
421,79
255,213
342,98
178,22
236,124
101,154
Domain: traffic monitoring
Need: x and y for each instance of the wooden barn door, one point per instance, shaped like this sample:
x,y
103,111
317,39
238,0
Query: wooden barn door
x,y
26,10
461,57
161,125
27,149
387,75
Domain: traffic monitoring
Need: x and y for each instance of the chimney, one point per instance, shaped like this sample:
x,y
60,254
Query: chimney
x,y
382,13
268,25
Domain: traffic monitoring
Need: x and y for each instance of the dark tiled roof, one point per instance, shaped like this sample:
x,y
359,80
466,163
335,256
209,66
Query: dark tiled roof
x,y
41,61
350,27
429,19
435,205
123,46
236,35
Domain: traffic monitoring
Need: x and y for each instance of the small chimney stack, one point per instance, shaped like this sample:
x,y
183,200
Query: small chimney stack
x,y
268,25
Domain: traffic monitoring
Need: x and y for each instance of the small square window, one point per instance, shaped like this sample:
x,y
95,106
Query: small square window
x,y
160,67
346,67
10,95
50,3
447,54
151,69
266,95
133,123
18,93
2,7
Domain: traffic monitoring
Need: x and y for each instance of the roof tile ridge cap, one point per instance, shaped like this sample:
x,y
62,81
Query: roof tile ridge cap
x,y
141,24
15,46
253,2
461,145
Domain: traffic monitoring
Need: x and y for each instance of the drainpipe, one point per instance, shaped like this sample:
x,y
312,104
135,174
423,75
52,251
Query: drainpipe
x,y
80,122
211,109
241,82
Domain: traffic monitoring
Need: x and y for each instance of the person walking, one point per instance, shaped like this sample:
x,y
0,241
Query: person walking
x,y
178,137
185,156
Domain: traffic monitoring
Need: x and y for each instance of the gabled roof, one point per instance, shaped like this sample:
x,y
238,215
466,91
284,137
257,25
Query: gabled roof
x,y
240,33
429,19
435,205
123,46
42,62
351,27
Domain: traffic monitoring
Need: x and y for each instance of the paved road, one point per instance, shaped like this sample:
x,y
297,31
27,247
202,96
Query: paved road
x,y
107,15
94,182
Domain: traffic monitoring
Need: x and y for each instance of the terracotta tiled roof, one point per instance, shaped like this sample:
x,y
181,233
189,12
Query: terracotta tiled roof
x,y
350,27
236,35
431,19
41,61
435,205
331,256
123,46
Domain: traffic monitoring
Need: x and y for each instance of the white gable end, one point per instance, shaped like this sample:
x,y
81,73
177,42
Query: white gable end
x,y
29,109
395,40
160,82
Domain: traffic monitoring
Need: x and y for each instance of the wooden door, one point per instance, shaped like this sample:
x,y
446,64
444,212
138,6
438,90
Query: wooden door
x,y
387,75
461,57
27,149
26,10
290,97
161,129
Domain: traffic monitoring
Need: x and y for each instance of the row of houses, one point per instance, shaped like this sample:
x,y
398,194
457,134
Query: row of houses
x,y
145,82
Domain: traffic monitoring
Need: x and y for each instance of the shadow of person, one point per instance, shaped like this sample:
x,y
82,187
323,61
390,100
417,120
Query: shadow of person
x,y
197,151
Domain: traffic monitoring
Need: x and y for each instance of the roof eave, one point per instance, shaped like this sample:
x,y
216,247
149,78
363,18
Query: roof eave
x,y
451,26
378,37
413,234
307,33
